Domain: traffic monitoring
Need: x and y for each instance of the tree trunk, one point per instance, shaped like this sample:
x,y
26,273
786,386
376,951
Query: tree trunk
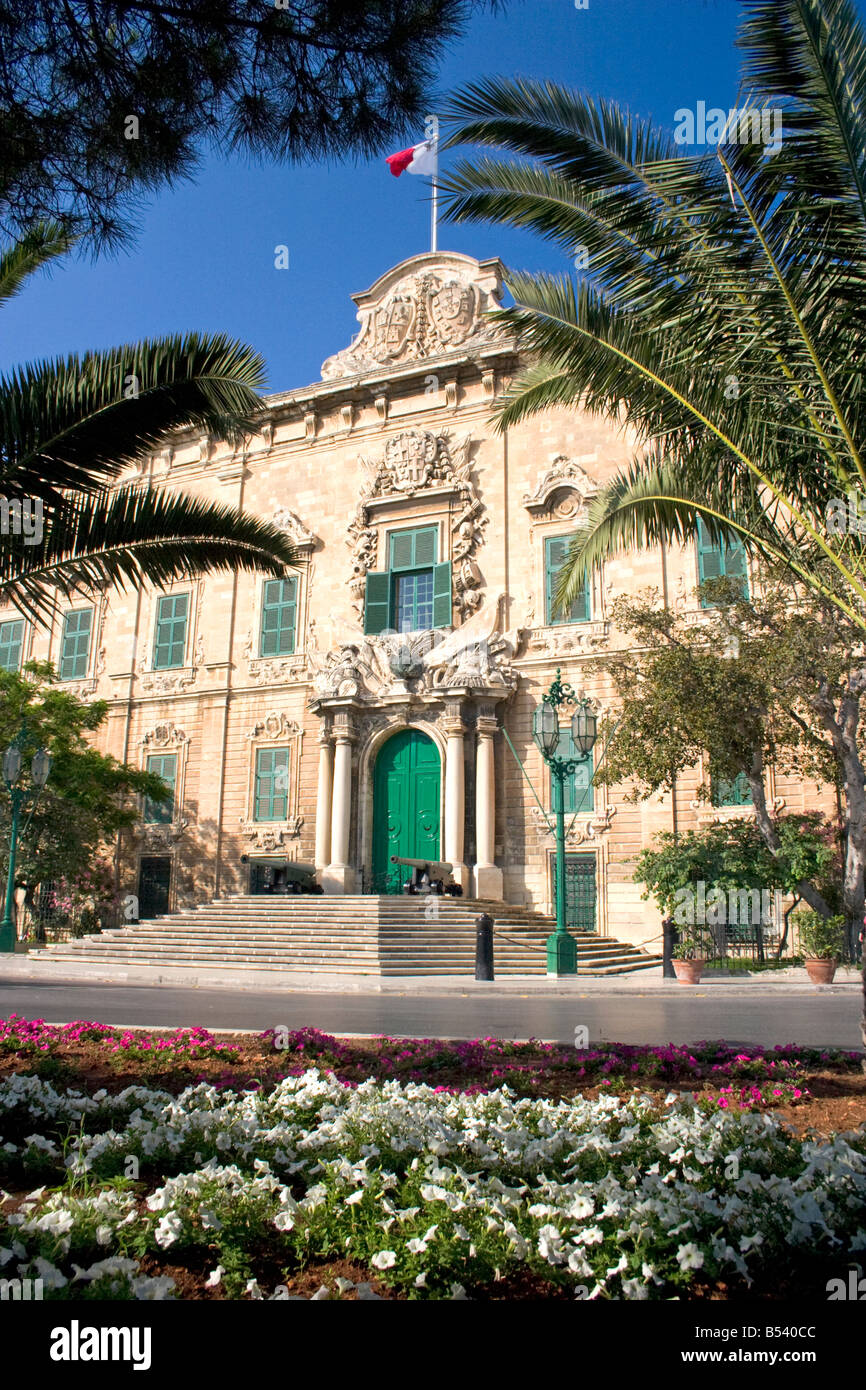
x,y
843,726
755,776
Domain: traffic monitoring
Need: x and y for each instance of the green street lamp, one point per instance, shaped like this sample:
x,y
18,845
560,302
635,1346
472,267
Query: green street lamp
x,y
561,945
40,767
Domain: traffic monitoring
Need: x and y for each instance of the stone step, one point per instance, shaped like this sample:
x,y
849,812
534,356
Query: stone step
x,y
345,967
405,940
361,934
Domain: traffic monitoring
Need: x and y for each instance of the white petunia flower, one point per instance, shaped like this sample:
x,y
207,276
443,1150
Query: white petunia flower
x,y
385,1259
690,1257
215,1277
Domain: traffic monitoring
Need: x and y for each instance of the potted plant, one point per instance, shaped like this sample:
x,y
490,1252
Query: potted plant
x,y
691,953
821,942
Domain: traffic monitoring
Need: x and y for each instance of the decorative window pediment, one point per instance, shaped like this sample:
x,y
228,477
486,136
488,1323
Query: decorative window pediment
x,y
420,463
563,490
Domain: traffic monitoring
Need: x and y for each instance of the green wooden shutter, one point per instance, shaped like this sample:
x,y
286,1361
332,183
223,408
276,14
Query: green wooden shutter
x,y
710,561
736,793
718,558
11,639
425,547
556,555
413,550
735,563
279,617
165,766
442,611
377,602
578,791
171,619
75,644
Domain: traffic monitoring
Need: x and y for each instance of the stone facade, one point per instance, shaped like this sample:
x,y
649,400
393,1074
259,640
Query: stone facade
x,y
396,435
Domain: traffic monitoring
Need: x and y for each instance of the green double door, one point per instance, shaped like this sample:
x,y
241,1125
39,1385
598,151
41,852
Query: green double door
x,y
406,801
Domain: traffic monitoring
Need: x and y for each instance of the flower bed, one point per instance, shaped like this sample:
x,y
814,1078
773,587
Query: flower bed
x,y
439,1194
324,1184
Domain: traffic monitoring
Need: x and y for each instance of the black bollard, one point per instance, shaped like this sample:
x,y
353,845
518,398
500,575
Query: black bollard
x,y
670,937
484,947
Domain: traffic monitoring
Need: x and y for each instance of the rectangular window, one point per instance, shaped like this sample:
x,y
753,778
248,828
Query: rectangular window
x,y
169,647
414,593
75,644
721,558
11,642
555,556
165,766
279,613
736,793
272,784
578,791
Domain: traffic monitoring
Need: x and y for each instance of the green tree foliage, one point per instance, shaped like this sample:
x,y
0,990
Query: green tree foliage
x,y
291,79
89,796
756,683
733,855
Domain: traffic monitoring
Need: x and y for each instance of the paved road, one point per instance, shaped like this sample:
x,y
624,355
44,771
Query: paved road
x,y
830,1020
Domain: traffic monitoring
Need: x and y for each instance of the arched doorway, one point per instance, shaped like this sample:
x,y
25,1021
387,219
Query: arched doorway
x,y
406,801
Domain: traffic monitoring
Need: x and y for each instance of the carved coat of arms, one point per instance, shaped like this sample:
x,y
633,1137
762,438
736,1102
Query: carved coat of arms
x,y
393,326
410,458
453,310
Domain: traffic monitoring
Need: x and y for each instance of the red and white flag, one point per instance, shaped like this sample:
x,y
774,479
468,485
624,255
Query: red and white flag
x,y
418,159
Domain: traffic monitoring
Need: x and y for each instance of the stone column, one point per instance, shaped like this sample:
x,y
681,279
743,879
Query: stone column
x,y
488,878
339,877
455,795
323,801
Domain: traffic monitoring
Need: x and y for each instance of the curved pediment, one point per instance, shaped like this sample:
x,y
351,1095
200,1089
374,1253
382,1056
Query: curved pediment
x,y
428,307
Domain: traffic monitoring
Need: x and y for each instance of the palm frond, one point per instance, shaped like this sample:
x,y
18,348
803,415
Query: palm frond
x,y
130,537
43,243
77,423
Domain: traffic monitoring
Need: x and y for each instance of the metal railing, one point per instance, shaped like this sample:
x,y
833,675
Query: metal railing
x,y
45,920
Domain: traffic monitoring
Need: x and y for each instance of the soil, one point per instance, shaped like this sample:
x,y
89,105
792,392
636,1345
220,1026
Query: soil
x,y
834,1101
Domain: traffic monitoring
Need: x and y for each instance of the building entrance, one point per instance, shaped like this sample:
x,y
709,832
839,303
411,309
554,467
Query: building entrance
x,y
406,802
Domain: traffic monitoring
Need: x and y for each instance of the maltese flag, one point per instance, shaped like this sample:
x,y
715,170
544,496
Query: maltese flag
x,y
418,159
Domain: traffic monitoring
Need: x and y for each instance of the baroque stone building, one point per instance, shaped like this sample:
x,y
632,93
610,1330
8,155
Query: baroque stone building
x,y
378,699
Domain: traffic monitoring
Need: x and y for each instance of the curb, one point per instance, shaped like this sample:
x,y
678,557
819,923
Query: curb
x,y
432,986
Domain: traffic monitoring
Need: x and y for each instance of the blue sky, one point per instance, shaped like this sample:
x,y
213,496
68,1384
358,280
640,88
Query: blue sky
x,y
204,257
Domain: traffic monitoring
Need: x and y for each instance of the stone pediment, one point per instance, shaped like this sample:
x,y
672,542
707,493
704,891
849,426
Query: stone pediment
x,y
425,308
564,488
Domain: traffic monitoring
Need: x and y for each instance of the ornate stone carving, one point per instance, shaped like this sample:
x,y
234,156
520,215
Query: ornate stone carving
x,y
568,638
274,725
270,837
301,536
160,837
428,307
273,671
475,656
415,460
582,830
164,736
171,682
567,476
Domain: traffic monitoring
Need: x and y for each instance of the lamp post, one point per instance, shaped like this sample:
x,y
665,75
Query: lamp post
x,y
561,945
40,767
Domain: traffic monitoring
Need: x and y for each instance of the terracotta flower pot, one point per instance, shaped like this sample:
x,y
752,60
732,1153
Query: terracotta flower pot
x,y
821,972
689,972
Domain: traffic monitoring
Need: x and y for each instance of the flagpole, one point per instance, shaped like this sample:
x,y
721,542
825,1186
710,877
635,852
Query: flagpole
x,y
434,211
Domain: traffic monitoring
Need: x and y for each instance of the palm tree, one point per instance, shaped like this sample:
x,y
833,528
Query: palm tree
x,y
68,430
719,311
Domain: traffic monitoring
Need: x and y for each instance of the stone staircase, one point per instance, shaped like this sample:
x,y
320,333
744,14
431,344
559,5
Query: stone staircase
x,y
339,935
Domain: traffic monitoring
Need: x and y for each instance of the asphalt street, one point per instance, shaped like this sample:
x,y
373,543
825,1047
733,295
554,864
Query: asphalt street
x,y
808,1018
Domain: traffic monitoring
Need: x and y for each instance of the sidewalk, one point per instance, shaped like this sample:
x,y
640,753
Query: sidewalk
x,y
649,982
